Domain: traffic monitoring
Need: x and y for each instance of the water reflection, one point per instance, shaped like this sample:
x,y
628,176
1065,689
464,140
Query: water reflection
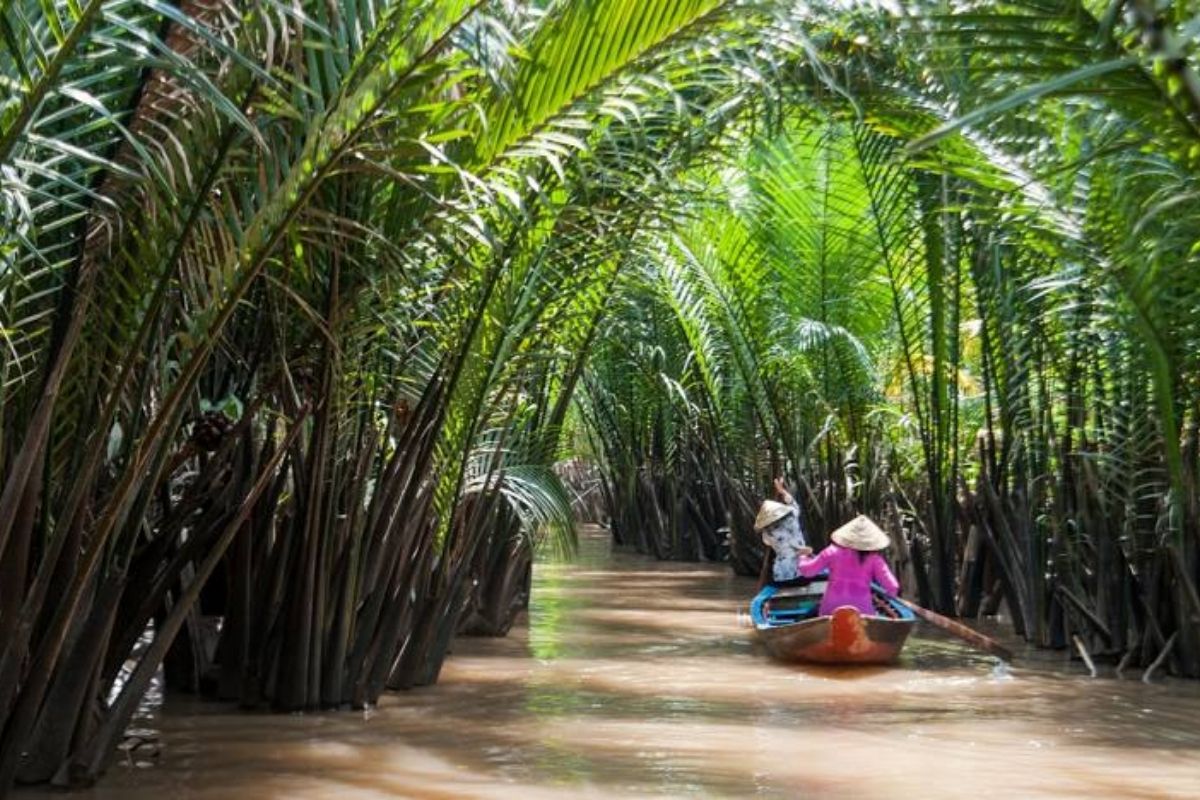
x,y
634,678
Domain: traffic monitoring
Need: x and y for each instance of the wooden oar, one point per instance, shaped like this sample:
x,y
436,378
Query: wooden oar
x,y
973,637
766,568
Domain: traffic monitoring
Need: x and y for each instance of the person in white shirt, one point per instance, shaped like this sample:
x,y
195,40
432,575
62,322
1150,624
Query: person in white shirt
x,y
778,522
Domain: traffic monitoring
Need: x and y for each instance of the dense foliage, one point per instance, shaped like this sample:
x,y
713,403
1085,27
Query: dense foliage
x,y
296,298
957,293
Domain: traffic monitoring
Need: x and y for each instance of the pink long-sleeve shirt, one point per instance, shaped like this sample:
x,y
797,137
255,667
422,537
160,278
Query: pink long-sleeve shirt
x,y
849,577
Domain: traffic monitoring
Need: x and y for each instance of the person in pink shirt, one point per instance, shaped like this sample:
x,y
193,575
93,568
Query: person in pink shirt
x,y
854,560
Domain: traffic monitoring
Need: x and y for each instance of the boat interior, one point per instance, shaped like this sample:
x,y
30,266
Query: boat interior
x,y
776,606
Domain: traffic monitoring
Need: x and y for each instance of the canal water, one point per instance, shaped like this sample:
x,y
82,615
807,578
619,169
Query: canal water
x,y
633,678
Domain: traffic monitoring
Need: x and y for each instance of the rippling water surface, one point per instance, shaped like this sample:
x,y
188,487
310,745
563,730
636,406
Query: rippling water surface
x,y
635,678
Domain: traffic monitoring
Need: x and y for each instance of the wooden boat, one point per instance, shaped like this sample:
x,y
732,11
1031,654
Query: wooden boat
x,y
787,623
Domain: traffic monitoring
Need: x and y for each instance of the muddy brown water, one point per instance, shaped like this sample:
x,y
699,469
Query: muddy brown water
x,y
633,678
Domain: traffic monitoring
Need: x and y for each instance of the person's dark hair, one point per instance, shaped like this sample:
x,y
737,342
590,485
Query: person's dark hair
x,y
862,554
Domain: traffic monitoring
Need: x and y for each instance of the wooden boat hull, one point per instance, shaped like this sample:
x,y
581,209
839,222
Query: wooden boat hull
x,y
845,637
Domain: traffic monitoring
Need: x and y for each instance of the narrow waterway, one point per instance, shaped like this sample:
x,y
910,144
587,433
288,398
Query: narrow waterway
x,y
635,678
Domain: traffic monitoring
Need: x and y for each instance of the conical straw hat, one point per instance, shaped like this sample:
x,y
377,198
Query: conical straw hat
x,y
769,513
860,533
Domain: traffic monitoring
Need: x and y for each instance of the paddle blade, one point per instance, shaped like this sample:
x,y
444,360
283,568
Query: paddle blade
x,y
969,635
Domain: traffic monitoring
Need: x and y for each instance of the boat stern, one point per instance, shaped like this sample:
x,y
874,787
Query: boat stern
x,y
848,633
